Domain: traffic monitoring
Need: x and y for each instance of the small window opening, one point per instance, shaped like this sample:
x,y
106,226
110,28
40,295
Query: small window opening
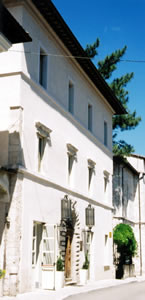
x,y
105,133
43,69
90,111
71,98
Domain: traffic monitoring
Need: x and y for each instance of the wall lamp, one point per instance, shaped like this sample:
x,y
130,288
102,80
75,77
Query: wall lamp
x,y
90,216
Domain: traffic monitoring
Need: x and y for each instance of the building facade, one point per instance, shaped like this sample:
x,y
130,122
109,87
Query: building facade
x,y
129,203
57,158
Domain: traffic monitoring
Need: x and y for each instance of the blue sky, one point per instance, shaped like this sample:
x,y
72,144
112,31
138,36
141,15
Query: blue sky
x,y
116,23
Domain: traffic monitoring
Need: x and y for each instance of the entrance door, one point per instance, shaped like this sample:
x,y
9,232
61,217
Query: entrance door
x,y
49,255
36,254
68,258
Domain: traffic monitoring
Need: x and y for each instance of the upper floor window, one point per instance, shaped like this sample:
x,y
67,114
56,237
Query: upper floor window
x,y
91,171
43,68
71,97
72,157
41,148
106,251
90,117
105,133
43,134
106,185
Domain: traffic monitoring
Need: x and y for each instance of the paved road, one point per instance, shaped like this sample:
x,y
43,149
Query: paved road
x,y
131,291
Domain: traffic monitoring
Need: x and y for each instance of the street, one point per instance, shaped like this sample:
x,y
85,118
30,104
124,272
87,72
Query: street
x,y
133,291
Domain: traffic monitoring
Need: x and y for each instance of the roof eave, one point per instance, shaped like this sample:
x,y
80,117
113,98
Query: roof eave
x,y
55,20
11,29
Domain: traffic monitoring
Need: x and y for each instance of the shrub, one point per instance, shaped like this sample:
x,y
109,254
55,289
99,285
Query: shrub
x,y
124,238
59,264
86,263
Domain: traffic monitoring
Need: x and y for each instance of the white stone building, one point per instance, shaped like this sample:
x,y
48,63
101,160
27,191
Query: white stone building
x,y
129,202
55,143
138,162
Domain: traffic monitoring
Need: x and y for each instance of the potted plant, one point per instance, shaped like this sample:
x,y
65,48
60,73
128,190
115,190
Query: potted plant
x,y
53,278
59,276
84,271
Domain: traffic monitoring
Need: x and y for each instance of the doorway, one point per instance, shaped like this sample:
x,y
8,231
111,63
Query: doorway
x,y
68,254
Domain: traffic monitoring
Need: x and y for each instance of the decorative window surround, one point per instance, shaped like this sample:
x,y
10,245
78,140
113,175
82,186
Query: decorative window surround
x,y
91,164
106,174
42,130
71,150
91,171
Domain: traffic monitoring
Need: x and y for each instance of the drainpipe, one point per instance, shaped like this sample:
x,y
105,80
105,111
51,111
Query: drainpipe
x,y
139,223
140,231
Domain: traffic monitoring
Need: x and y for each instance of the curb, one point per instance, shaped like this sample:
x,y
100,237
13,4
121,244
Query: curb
x,y
64,294
105,286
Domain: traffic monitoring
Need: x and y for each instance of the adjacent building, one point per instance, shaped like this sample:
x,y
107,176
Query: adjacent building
x,y
55,156
129,202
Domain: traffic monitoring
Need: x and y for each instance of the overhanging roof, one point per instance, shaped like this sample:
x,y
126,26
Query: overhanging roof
x,y
54,19
126,163
11,29
138,156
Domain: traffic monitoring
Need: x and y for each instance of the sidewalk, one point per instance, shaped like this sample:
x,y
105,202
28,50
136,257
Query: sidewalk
x,y
72,290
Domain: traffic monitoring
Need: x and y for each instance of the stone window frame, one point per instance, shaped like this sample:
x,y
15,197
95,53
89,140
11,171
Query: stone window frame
x,y
91,171
72,156
43,134
106,181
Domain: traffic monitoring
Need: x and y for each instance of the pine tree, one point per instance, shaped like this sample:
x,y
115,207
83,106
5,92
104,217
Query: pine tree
x,y
120,122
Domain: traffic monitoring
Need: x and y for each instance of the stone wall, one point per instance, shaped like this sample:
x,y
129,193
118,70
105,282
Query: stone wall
x,y
13,237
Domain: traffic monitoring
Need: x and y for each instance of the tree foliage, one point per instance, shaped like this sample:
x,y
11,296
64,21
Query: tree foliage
x,y
120,122
124,238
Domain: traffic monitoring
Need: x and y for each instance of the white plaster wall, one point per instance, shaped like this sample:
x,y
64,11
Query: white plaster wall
x,y
42,203
60,71
38,106
64,130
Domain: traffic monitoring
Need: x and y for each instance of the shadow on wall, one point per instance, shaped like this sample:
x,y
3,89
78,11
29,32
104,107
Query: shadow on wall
x,y
125,184
11,157
32,62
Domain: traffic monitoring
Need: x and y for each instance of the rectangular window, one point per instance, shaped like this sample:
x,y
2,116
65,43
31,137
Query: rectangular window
x,y
36,242
90,116
71,98
106,186
48,246
90,174
105,133
106,251
41,148
43,69
72,158
34,238
70,164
